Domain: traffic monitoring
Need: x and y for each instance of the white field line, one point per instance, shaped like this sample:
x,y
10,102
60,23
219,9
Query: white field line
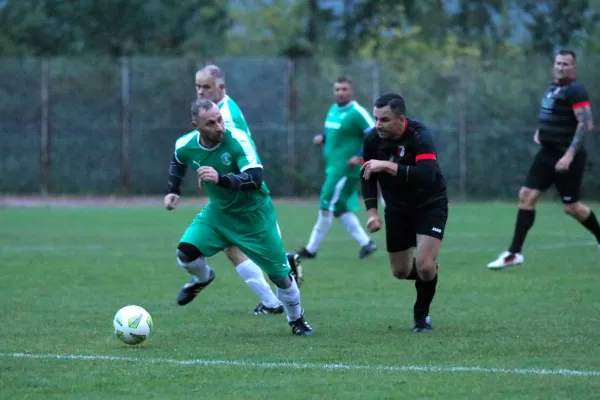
x,y
308,366
49,248
547,246
7,250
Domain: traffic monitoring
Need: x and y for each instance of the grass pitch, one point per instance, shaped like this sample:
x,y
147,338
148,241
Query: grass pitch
x,y
528,332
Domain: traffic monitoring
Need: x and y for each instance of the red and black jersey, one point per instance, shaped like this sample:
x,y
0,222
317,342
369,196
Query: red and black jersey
x,y
557,120
419,180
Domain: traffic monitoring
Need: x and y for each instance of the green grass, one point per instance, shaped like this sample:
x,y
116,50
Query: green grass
x,y
65,273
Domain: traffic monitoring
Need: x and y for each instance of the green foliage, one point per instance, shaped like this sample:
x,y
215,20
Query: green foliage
x,y
558,23
112,27
291,28
267,28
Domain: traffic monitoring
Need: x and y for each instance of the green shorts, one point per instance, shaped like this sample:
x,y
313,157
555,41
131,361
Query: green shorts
x,y
256,233
339,194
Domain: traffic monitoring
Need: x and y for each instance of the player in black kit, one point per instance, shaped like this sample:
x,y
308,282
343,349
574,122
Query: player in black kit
x,y
400,155
565,117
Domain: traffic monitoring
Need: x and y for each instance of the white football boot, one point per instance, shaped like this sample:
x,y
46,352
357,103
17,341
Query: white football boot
x,y
507,259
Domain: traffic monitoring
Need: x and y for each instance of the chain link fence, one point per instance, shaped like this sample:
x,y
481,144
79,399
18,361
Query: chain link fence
x,y
106,126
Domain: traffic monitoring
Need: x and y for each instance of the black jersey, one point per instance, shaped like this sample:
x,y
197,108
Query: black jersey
x,y
557,120
419,180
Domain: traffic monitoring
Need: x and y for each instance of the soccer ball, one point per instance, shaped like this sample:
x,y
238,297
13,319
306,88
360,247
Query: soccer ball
x,y
132,325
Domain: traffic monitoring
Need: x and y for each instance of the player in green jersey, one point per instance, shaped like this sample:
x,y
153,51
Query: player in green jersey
x,y
239,212
210,84
345,126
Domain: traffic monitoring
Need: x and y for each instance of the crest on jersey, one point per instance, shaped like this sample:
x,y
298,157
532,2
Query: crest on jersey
x,y
401,151
226,158
553,93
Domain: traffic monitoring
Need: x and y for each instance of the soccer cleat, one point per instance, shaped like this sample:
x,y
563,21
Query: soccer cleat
x,y
261,309
422,324
300,327
190,290
303,253
367,250
296,266
507,259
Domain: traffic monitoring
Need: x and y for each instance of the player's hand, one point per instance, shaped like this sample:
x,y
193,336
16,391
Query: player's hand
x,y
207,174
318,139
171,201
374,221
564,163
354,161
536,137
371,167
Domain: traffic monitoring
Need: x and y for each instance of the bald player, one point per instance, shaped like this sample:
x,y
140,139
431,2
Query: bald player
x,y
210,85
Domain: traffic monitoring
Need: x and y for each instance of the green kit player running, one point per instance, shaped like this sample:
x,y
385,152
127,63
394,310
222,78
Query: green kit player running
x,y
210,84
239,212
346,124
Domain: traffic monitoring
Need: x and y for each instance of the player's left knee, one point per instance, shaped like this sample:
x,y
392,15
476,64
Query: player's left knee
x,y
426,266
570,209
576,210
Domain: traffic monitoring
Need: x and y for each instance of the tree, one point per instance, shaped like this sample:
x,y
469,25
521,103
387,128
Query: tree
x,y
112,27
471,22
557,23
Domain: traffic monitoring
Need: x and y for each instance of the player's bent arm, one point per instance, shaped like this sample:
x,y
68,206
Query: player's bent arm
x,y
586,124
177,172
369,192
369,188
421,174
249,180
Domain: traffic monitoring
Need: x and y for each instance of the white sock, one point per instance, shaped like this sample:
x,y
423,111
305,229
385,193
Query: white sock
x,y
352,224
319,230
290,298
197,268
255,279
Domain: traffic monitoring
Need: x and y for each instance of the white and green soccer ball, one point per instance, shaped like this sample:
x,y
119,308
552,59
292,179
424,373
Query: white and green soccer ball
x,y
132,325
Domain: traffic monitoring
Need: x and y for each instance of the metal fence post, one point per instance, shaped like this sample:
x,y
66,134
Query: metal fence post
x,y
44,167
462,141
125,126
376,80
291,124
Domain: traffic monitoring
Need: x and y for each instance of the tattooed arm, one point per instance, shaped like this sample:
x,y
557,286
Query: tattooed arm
x,y
580,101
585,124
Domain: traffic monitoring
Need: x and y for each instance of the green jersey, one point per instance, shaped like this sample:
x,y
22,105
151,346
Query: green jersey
x,y
235,154
345,128
232,114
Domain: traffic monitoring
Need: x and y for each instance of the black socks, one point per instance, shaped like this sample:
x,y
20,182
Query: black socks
x,y
525,219
425,293
591,224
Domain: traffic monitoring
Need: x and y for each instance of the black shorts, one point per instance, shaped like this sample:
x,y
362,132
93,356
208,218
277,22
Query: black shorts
x,y
542,174
403,226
